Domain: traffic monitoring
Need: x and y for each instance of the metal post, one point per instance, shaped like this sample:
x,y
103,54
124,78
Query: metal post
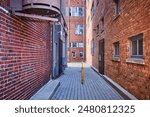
x,y
82,68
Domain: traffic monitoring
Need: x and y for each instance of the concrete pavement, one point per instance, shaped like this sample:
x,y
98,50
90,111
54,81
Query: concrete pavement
x,y
94,87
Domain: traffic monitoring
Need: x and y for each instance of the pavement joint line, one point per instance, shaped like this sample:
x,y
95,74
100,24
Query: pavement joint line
x,y
124,93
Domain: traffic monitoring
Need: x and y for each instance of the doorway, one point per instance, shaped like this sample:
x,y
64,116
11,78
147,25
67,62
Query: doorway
x,y
101,56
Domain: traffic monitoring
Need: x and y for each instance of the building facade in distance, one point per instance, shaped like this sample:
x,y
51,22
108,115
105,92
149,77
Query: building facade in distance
x,y
75,18
118,42
27,46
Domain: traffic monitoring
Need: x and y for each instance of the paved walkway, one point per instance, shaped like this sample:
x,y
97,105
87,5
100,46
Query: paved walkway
x,y
94,88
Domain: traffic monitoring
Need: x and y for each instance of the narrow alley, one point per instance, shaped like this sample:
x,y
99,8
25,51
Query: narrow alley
x,y
42,41
94,87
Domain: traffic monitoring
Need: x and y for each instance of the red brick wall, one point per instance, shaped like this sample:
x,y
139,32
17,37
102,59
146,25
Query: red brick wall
x,y
134,19
25,56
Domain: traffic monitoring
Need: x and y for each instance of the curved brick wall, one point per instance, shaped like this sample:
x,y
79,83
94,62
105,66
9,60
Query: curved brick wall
x,y
25,55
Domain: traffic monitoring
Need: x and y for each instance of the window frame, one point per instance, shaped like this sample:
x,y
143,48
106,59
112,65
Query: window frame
x,y
74,55
76,11
116,47
74,44
79,28
136,38
81,45
82,53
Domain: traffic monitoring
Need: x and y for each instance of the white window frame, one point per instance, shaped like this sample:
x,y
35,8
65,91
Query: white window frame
x,y
76,11
80,44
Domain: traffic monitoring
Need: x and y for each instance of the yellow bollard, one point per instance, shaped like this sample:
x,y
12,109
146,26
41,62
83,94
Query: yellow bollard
x,y
82,74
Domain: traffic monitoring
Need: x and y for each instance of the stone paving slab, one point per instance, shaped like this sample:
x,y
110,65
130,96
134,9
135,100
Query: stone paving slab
x,y
94,87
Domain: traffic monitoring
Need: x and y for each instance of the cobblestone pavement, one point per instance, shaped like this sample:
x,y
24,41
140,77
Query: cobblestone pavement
x,y
94,87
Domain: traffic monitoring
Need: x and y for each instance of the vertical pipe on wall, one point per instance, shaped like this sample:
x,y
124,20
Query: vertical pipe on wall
x,y
69,34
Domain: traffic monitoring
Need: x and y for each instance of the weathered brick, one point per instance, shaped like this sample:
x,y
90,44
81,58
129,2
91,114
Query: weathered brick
x,y
25,56
133,19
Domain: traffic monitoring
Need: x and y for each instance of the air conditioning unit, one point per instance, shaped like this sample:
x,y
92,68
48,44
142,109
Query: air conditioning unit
x,y
42,9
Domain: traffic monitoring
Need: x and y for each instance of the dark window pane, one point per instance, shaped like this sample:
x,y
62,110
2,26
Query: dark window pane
x,y
73,54
117,6
116,49
81,54
80,12
134,47
141,47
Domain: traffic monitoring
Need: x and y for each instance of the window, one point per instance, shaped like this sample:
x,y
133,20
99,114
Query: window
x,y
80,11
81,54
92,9
76,44
92,47
116,49
81,45
73,44
102,20
117,9
79,29
76,11
136,46
97,29
73,54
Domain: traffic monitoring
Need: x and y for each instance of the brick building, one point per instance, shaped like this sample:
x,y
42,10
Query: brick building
x,y
118,43
75,18
25,53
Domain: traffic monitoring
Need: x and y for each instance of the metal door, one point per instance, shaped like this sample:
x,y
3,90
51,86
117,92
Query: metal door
x,y
101,56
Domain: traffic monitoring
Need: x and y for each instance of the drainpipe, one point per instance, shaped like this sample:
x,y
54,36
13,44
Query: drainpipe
x,y
53,53
69,33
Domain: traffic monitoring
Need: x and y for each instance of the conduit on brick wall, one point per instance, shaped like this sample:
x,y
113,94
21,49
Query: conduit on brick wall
x,y
25,55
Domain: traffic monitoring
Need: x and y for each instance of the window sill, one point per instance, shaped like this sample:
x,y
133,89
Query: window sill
x,y
135,61
117,59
